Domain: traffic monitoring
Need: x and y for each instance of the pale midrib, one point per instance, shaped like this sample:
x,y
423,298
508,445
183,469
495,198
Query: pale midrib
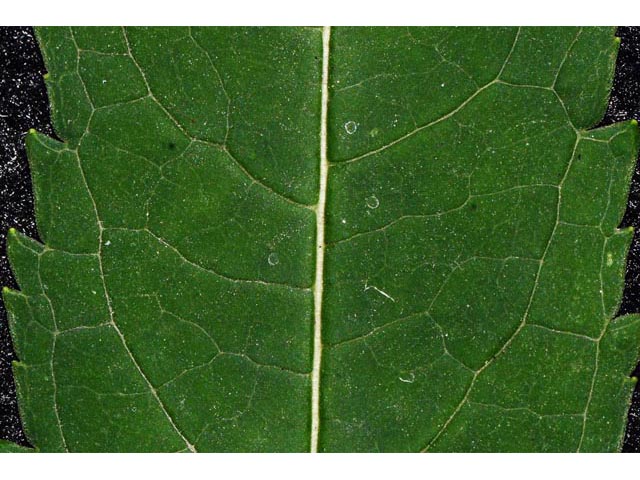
x,y
320,245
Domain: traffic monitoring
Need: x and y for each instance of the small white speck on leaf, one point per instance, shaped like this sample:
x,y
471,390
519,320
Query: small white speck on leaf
x,y
409,378
350,127
372,202
273,259
381,292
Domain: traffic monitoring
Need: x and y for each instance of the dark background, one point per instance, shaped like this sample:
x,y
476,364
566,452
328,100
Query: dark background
x,y
24,105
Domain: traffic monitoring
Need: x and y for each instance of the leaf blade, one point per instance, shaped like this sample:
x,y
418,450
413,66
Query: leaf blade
x,y
461,253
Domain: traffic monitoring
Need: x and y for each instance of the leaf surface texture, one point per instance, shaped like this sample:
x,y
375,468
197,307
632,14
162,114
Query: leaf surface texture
x,y
463,233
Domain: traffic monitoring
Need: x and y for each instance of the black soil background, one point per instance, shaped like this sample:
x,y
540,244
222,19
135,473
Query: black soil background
x,y
24,105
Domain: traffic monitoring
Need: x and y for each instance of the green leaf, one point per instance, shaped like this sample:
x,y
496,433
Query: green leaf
x,y
294,239
8,447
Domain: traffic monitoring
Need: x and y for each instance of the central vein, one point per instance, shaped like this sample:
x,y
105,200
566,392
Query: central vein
x,y
319,281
